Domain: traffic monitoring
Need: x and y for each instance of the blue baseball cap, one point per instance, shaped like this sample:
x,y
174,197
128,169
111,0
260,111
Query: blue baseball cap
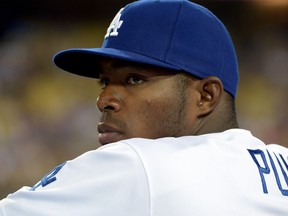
x,y
173,34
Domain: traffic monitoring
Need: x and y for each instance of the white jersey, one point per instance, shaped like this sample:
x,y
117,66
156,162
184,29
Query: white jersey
x,y
229,173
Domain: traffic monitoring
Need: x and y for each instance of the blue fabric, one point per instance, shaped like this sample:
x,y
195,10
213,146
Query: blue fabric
x,y
175,34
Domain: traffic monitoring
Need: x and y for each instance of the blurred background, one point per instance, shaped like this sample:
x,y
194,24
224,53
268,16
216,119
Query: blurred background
x,y
48,116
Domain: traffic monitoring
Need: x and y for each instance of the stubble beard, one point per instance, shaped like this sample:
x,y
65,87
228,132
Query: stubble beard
x,y
172,124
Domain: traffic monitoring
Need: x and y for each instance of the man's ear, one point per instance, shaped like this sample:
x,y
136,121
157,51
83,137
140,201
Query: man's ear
x,y
211,90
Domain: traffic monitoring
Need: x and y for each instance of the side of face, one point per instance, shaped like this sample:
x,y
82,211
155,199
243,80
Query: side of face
x,y
144,101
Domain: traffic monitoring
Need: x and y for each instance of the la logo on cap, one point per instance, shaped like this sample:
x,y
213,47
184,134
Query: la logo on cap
x,y
115,25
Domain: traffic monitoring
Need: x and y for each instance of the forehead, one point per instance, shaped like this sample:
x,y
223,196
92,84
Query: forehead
x,y
110,65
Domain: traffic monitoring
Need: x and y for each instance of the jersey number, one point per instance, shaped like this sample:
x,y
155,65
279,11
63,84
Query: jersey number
x,y
49,178
265,169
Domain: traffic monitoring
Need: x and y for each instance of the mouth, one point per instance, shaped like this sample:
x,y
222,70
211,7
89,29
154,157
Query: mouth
x,y
108,134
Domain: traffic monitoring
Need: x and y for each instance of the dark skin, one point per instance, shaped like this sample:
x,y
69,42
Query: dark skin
x,y
150,102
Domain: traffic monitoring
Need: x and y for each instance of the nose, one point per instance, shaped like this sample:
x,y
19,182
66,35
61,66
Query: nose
x,y
109,99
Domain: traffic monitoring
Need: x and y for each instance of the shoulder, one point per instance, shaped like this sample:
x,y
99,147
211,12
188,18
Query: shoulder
x,y
112,175
118,159
232,138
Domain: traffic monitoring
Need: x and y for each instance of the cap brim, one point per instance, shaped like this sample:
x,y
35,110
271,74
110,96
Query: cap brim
x,y
85,62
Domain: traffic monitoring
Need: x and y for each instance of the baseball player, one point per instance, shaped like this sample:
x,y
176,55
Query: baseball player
x,y
171,142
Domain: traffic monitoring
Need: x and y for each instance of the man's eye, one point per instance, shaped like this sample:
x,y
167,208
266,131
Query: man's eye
x,y
103,82
134,80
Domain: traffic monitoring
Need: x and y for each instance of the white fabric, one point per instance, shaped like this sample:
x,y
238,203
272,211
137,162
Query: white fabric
x,y
211,174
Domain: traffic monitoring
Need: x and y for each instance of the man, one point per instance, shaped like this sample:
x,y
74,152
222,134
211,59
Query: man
x,y
171,142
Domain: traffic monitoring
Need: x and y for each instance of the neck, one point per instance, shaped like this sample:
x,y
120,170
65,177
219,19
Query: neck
x,y
218,120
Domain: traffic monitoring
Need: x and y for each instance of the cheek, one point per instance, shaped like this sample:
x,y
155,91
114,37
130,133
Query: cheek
x,y
158,116
158,102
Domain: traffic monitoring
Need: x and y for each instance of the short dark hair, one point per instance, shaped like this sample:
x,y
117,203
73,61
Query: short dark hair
x,y
230,110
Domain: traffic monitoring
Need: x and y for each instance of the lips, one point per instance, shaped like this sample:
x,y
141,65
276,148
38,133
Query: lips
x,y
108,134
